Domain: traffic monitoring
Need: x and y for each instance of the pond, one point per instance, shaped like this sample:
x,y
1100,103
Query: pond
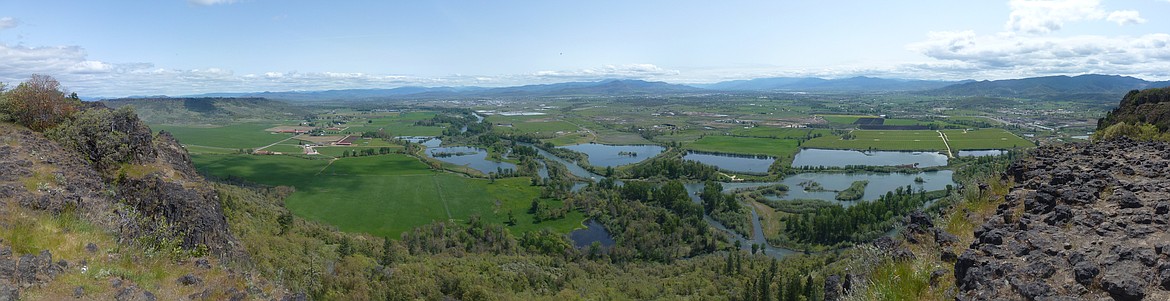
x,y
603,155
424,140
745,243
879,184
593,232
981,153
475,158
731,162
812,157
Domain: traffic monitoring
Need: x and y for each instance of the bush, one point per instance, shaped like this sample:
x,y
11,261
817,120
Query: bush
x,y
1139,131
106,138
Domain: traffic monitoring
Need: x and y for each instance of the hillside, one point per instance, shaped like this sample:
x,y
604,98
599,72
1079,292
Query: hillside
x,y
810,84
611,87
1089,87
1150,106
211,110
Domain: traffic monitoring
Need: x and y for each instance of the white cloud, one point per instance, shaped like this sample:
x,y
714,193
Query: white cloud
x,y
1124,17
1045,16
210,2
8,22
630,71
1009,53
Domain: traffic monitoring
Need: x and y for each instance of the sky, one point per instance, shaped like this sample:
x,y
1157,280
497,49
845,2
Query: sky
x,y
179,47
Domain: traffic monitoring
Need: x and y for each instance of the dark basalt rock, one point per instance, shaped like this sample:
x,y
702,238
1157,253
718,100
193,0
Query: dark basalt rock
x,y
833,288
1095,226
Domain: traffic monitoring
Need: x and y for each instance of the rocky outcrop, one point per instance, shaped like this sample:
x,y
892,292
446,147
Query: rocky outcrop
x,y
28,270
1146,106
1083,221
152,181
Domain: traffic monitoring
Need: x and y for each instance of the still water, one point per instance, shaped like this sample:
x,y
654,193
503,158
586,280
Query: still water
x,y
475,158
813,157
731,162
604,155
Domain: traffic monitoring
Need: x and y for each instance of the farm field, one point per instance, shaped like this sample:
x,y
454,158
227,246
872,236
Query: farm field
x,y
228,137
771,132
844,119
397,124
985,139
745,145
894,140
389,194
531,124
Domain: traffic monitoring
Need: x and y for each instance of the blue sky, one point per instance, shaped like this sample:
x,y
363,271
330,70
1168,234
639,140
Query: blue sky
x,y
175,47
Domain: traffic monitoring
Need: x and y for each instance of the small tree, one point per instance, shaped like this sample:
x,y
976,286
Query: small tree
x,y
285,220
40,104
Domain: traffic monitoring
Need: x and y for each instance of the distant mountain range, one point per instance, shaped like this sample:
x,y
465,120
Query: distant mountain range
x,y
612,87
813,84
1090,87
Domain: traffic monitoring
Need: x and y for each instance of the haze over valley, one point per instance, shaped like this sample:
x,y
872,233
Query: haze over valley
x,y
450,150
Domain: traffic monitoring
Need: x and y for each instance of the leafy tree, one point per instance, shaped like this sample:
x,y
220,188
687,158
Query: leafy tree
x,y
40,104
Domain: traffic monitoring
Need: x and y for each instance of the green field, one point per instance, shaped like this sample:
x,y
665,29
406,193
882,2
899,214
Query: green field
x,y
771,132
387,195
397,124
882,140
745,145
985,139
224,139
531,124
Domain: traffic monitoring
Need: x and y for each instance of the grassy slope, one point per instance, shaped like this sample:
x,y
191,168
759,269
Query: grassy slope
x,y
65,236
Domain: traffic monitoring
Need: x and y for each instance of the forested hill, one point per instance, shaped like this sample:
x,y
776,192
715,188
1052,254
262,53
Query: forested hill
x,y
1089,87
205,110
1150,106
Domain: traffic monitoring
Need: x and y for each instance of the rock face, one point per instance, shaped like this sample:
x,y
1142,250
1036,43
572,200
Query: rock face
x,y
1082,222
27,271
42,174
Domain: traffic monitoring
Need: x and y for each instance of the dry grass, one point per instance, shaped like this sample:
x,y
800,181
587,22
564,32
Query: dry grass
x,y
65,237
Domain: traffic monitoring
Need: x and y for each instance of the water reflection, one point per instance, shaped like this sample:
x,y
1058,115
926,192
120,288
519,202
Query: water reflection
x,y
604,155
812,157
731,162
476,158
593,232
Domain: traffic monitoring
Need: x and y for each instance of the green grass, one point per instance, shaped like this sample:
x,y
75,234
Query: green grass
x,y
771,132
397,124
337,151
882,140
745,145
224,139
985,139
389,194
532,124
